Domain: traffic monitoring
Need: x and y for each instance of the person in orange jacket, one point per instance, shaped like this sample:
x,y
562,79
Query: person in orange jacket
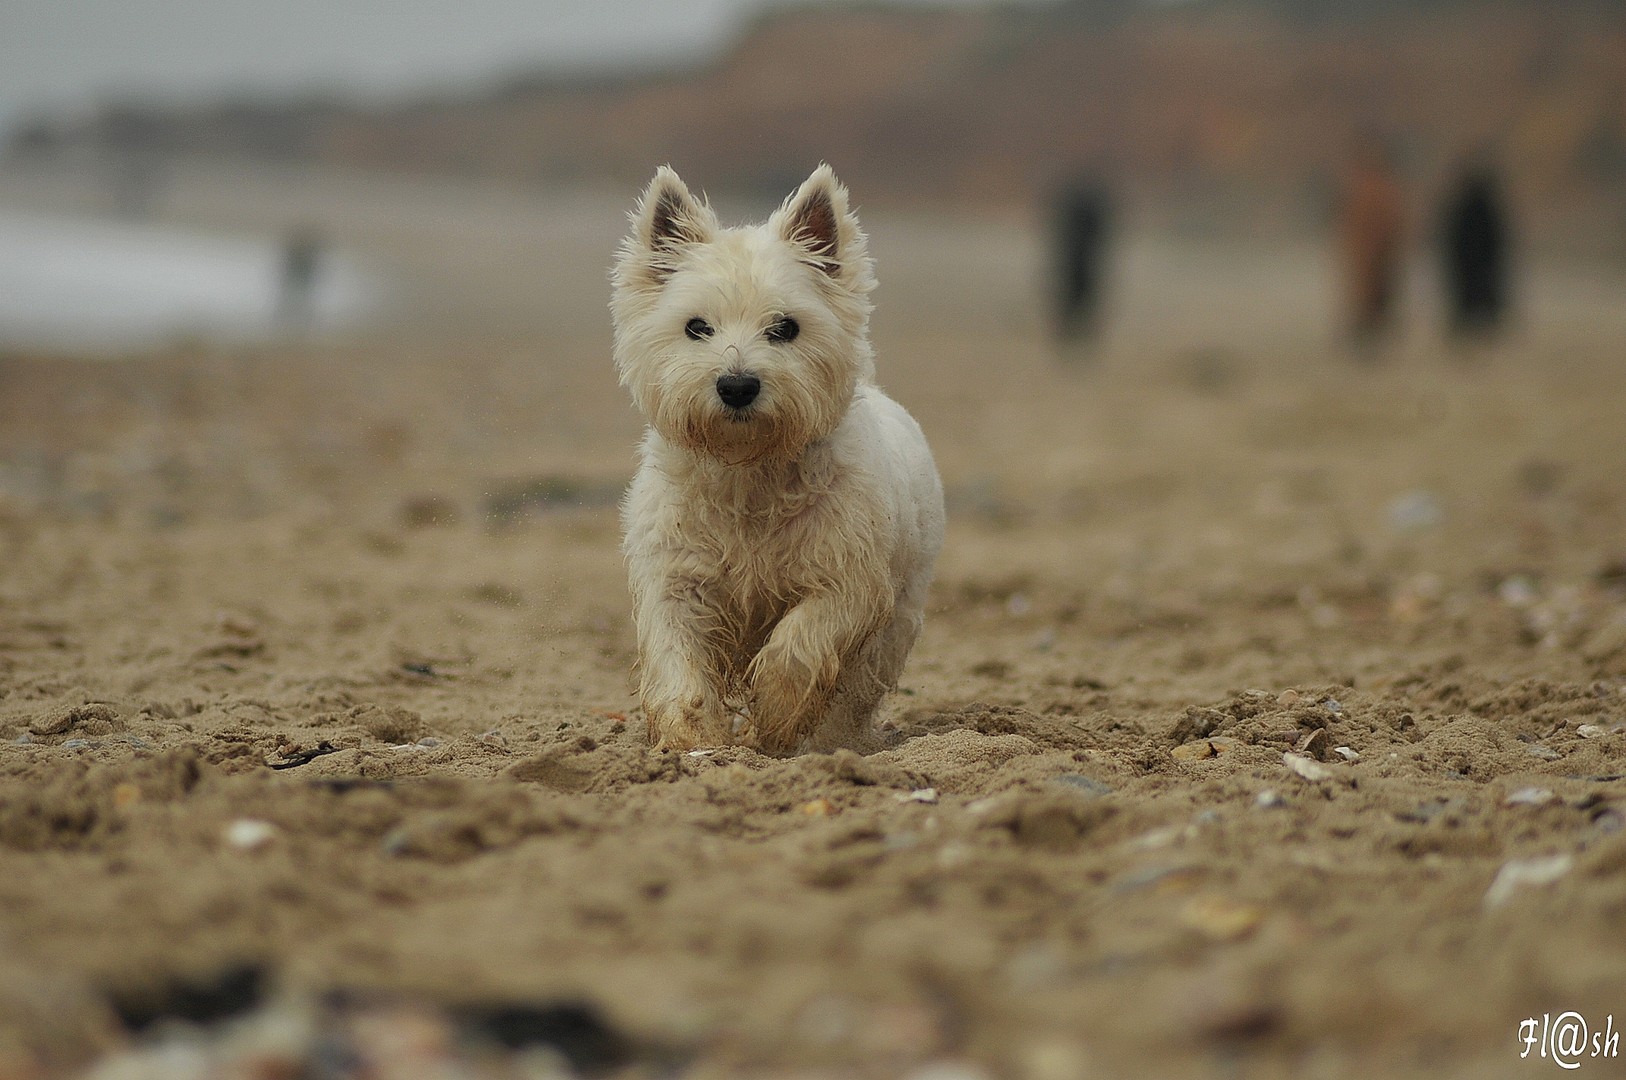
x,y
1371,234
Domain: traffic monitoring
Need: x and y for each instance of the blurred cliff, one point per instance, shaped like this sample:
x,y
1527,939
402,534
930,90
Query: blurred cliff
x,y
1219,116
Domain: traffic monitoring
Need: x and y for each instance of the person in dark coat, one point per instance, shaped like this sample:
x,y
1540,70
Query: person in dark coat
x,y
1081,227
1474,243
301,263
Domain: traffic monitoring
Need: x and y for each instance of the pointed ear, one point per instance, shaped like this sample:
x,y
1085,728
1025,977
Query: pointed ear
x,y
666,220
816,219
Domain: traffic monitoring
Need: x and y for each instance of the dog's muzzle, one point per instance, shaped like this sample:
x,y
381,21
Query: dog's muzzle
x,y
738,391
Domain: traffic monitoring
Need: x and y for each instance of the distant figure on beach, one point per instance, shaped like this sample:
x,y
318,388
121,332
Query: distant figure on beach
x,y
1082,224
1371,233
1474,244
301,261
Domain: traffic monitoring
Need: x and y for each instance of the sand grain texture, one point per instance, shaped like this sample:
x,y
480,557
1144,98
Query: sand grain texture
x,y
369,595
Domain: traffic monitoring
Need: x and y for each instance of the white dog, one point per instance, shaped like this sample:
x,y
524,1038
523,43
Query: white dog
x,y
782,526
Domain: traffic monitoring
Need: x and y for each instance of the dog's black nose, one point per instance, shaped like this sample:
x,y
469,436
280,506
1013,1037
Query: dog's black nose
x,y
738,391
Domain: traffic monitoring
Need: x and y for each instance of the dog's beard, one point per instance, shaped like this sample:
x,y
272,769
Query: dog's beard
x,y
733,436
775,426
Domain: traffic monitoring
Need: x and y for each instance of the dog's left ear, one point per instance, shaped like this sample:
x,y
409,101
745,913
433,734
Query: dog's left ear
x,y
816,219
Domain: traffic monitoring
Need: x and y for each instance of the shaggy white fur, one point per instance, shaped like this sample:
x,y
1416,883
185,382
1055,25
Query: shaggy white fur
x,y
782,526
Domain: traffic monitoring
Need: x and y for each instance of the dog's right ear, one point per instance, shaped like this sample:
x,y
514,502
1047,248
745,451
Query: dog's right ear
x,y
667,220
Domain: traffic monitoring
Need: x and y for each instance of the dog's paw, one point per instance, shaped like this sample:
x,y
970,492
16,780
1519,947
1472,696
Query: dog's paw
x,y
785,708
789,690
688,725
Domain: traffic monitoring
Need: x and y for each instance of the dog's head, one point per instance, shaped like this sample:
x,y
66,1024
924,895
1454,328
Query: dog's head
x,y
743,343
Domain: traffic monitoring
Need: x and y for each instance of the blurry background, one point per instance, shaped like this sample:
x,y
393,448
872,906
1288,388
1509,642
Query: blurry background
x,y
1204,120
366,244
382,230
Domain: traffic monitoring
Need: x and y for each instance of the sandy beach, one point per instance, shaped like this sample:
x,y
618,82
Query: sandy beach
x,y
1269,717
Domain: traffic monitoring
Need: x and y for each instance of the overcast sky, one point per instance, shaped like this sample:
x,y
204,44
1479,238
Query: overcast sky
x,y
69,54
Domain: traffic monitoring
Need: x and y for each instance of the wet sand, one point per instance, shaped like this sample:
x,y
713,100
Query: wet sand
x,y
1268,698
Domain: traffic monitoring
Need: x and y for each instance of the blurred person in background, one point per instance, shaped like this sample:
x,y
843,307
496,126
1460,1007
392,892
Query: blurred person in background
x,y
1474,242
1371,236
301,262
1081,224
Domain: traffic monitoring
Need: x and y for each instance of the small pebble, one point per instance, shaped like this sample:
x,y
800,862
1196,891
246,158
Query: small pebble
x,y
1423,813
1590,731
1313,744
1332,705
1161,877
1221,918
1517,591
922,795
1157,838
817,808
1087,784
1288,698
1516,874
1308,769
1529,796
250,834
1545,753
76,744
1415,511
1269,799
1347,754
427,743
1193,751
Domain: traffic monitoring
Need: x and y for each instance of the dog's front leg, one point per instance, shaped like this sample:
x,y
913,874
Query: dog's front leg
x,y
792,676
678,681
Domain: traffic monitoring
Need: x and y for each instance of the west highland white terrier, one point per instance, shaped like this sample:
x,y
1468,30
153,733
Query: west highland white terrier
x,y
781,529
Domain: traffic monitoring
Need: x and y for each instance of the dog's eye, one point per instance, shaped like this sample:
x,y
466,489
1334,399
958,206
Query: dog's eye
x,y
698,329
784,330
